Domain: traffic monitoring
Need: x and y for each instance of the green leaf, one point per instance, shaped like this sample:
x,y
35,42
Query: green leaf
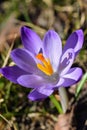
x,y
79,88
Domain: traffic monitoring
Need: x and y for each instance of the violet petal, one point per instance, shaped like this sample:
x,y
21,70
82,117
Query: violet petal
x,y
31,81
24,60
40,93
66,61
53,47
45,89
35,95
73,76
12,73
75,41
30,40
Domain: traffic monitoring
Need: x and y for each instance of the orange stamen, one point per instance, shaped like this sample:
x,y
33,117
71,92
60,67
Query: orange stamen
x,y
45,66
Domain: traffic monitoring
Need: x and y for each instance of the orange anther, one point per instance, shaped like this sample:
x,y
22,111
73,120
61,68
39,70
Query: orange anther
x,y
46,66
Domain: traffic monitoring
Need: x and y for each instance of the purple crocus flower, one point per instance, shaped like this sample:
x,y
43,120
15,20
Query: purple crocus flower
x,y
42,65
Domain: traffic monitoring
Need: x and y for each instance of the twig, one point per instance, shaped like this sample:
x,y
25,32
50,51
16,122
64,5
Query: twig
x,y
8,54
10,125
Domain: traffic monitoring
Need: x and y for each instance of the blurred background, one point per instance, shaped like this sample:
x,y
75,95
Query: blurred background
x,y
64,16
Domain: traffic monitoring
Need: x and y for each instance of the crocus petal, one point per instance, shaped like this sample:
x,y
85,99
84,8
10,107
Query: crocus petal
x,y
45,89
31,40
35,95
75,41
73,76
12,73
41,94
66,61
53,47
31,81
60,82
24,60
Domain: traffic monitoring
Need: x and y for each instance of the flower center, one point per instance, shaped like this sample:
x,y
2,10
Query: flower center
x,y
45,65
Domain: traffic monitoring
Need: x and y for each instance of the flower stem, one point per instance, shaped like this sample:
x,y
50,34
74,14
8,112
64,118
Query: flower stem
x,y
56,103
63,98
